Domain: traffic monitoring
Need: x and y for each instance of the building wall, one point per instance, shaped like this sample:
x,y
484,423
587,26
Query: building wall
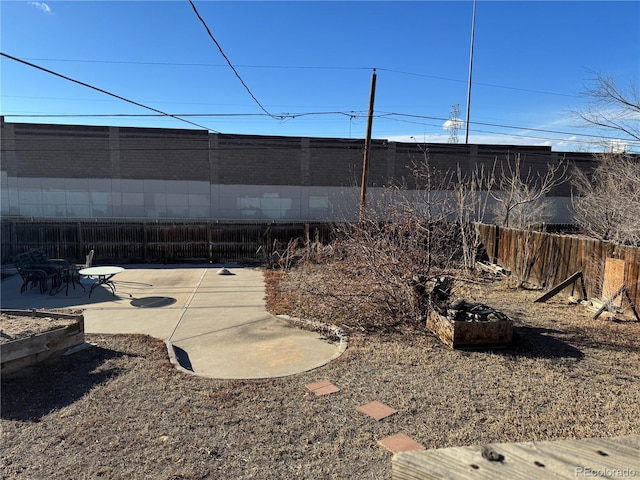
x,y
64,171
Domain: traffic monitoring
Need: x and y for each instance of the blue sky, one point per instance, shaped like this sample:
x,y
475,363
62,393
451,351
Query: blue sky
x,y
309,64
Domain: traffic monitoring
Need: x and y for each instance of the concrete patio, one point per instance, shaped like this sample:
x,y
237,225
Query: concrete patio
x,y
214,325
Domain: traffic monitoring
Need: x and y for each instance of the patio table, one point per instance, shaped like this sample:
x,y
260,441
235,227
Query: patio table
x,y
104,276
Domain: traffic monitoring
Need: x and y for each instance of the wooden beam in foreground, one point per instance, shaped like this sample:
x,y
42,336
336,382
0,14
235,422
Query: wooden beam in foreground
x,y
564,459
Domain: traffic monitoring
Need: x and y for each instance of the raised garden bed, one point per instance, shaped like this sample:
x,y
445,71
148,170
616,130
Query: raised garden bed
x,y
471,325
30,336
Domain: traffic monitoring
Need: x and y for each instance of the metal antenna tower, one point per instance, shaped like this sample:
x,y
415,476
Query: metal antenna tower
x,y
454,123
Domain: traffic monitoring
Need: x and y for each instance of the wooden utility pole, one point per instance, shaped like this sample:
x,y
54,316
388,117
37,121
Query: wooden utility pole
x,y
367,146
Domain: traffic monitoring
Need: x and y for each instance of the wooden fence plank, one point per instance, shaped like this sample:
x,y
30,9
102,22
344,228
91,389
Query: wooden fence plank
x,y
559,256
149,241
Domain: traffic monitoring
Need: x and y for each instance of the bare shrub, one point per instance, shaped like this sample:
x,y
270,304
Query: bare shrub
x,y
607,203
521,203
375,275
520,194
472,194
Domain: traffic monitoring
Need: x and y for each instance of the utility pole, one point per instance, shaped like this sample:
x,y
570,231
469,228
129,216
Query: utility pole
x,y
473,34
367,147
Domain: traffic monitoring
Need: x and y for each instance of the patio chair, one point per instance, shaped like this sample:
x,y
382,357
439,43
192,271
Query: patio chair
x,y
41,258
31,275
72,272
88,261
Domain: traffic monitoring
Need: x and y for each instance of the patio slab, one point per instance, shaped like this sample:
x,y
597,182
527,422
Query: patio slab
x,y
214,325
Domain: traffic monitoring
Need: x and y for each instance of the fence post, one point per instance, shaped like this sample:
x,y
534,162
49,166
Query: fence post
x,y
145,240
79,242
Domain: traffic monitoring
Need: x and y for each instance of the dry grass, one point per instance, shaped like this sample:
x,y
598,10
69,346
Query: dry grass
x,y
120,410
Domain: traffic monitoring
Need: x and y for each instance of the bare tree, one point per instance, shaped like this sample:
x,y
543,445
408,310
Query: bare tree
x,y
607,203
521,202
611,107
472,194
520,195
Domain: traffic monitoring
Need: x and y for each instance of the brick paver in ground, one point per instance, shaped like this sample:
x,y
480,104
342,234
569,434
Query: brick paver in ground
x,y
376,410
400,443
322,388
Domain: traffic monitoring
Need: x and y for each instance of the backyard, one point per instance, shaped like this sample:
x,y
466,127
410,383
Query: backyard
x,y
120,409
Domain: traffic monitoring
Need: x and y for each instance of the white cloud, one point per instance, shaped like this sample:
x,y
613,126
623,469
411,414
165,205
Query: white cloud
x,y
456,123
42,6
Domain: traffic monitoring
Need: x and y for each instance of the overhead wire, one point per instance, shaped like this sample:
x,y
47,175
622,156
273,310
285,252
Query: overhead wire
x,y
311,67
230,64
119,97
288,116
396,116
533,129
481,83
182,64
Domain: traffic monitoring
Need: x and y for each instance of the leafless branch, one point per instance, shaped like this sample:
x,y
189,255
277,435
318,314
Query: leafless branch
x,y
611,107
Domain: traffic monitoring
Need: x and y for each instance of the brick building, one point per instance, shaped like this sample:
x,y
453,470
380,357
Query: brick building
x,y
68,171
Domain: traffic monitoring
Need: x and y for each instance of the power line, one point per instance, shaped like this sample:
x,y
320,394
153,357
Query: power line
x,y
493,85
543,130
395,116
229,62
102,91
182,64
309,67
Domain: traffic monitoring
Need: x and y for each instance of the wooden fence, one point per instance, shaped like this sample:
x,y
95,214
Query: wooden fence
x,y
148,242
547,259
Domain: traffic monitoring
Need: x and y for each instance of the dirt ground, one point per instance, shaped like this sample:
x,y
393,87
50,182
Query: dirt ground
x,y
120,410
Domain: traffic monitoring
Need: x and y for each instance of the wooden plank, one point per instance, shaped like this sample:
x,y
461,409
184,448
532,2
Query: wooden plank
x,y
39,343
613,280
588,267
546,253
574,260
564,271
609,303
632,304
536,272
632,273
22,352
561,286
563,459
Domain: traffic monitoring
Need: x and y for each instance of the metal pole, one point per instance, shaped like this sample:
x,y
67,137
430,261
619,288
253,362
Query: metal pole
x,y
473,34
367,145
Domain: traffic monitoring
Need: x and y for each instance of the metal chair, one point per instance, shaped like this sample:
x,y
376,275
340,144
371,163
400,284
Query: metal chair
x,y
88,261
32,275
